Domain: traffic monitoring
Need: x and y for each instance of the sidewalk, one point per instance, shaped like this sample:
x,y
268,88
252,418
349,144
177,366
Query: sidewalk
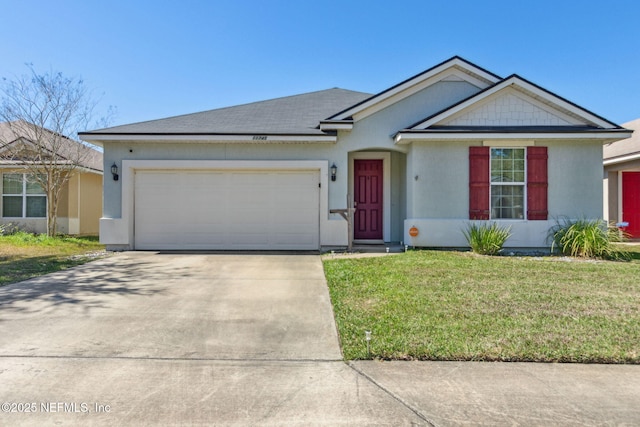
x,y
511,394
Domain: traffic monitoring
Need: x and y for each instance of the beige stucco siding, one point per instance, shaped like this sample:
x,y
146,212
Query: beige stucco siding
x,y
91,201
73,202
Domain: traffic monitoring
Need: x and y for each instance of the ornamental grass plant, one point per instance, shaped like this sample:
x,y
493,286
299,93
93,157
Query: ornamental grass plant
x,y
586,238
486,239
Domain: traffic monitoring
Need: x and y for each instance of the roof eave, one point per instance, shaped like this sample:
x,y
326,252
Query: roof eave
x,y
622,159
100,138
334,125
606,136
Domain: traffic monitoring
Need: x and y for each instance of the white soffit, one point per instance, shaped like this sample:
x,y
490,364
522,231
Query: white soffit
x,y
453,70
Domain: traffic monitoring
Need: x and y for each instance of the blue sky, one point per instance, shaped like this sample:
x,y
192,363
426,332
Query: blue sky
x,y
154,59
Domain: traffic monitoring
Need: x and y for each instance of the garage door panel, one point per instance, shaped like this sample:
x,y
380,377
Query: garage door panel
x,y
226,210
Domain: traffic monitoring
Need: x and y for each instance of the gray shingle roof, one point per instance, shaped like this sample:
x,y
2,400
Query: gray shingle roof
x,y
297,115
64,147
626,146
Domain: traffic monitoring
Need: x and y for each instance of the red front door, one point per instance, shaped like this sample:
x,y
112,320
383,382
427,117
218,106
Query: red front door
x,y
367,180
631,202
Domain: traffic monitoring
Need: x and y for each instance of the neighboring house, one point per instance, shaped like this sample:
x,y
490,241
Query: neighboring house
x,y
452,144
622,181
24,202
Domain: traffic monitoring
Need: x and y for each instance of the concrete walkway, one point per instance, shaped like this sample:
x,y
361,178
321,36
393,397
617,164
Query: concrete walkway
x,y
199,339
512,394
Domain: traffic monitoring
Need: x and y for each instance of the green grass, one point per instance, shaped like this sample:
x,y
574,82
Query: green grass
x,y
25,255
431,305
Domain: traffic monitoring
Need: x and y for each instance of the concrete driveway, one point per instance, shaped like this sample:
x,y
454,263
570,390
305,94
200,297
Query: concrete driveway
x,y
172,306
147,339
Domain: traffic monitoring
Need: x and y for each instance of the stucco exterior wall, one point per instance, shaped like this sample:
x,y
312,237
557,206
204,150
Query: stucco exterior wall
x,y
376,130
73,205
438,188
439,176
575,181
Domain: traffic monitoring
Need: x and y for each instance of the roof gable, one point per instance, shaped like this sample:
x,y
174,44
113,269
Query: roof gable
x,y
514,102
454,69
511,107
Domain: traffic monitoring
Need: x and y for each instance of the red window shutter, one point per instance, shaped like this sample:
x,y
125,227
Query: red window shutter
x,y
479,182
537,183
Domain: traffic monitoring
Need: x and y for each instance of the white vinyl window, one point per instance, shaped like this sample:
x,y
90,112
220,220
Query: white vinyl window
x,y
22,197
508,183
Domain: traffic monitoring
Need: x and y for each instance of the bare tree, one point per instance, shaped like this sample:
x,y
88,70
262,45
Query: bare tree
x,y
42,113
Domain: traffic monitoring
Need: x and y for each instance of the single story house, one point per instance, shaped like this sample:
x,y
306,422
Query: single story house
x,y
24,201
453,144
622,181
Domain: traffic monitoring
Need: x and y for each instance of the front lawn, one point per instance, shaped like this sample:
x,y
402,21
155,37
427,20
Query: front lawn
x,y
433,305
24,255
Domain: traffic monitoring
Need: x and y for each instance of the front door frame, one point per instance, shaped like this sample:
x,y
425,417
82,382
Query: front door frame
x,y
386,188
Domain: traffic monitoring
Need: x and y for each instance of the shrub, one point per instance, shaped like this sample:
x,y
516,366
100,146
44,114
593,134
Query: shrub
x,y
486,239
586,238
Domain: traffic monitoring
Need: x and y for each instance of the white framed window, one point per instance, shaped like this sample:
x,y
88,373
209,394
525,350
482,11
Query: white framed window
x,y
508,183
22,196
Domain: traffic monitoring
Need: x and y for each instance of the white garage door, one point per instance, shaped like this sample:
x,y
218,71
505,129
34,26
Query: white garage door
x,y
192,210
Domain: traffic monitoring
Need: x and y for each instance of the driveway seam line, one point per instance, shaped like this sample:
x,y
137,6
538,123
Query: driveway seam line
x,y
393,395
